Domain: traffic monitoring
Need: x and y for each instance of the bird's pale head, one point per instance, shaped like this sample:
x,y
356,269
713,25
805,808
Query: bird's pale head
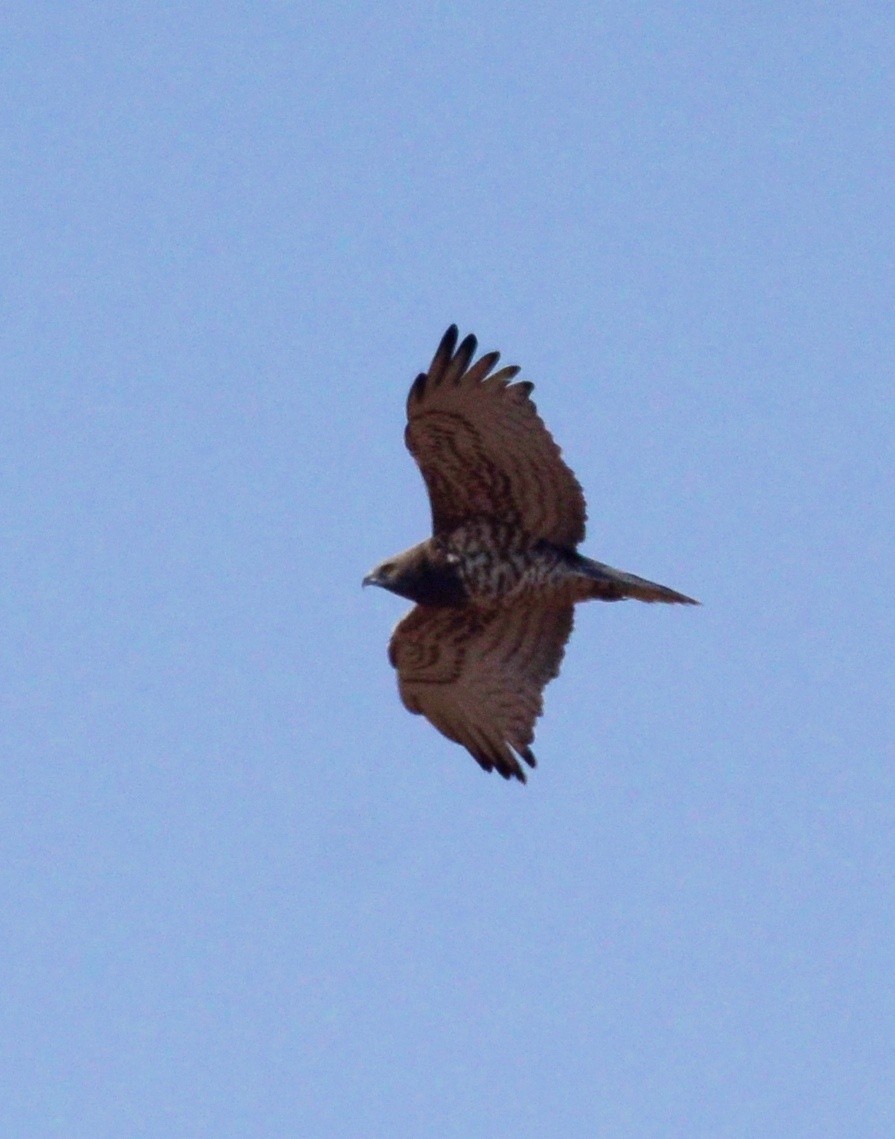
x,y
419,575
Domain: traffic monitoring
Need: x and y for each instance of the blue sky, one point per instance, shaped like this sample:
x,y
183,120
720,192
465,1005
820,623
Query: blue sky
x,y
244,893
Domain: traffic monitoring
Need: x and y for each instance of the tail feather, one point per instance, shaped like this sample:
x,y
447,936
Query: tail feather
x,y
614,585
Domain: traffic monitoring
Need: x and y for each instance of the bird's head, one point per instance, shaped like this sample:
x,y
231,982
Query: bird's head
x,y
384,575
400,573
419,577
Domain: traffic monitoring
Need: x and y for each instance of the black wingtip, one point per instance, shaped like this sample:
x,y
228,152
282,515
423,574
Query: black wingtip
x,y
505,768
445,351
528,755
461,360
515,770
418,387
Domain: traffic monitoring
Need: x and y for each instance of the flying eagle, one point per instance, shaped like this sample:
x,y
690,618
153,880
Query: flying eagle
x,y
496,585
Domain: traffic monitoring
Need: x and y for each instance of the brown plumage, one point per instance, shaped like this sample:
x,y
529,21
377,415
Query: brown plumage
x,y
496,584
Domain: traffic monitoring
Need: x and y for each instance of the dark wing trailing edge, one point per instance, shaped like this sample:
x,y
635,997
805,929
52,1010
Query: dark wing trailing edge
x,y
484,450
478,675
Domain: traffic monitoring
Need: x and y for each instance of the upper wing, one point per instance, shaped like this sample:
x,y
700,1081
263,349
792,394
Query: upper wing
x,y
478,675
483,449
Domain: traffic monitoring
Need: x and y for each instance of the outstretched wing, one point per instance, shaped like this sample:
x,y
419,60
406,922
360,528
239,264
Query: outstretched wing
x,y
483,449
478,675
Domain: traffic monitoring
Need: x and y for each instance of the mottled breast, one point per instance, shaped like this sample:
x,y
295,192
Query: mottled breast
x,y
497,562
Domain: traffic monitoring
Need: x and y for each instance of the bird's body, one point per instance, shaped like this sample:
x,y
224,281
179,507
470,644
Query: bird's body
x,y
486,562
482,562
496,584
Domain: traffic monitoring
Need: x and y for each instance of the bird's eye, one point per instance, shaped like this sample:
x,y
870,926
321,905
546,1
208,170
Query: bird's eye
x,y
388,569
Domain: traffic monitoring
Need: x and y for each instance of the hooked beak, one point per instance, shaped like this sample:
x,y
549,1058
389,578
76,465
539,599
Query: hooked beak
x,y
370,579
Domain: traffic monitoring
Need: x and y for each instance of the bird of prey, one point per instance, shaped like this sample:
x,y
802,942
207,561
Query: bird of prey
x,y
496,585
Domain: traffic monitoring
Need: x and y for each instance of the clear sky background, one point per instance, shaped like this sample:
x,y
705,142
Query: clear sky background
x,y
244,893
